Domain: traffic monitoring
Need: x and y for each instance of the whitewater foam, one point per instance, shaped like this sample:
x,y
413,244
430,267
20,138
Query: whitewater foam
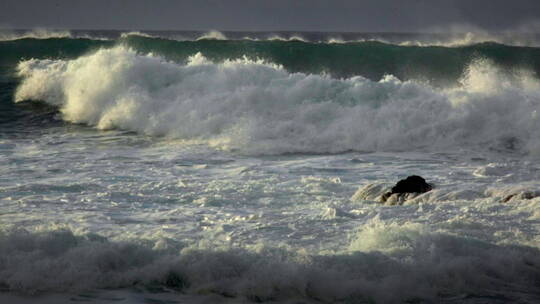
x,y
435,264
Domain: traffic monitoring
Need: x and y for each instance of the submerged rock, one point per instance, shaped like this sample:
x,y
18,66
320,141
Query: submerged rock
x,y
523,195
393,194
406,189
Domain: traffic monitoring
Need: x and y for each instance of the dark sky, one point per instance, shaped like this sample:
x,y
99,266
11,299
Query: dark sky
x,y
259,15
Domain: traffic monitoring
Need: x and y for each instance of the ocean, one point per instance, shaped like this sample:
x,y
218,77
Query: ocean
x,y
238,167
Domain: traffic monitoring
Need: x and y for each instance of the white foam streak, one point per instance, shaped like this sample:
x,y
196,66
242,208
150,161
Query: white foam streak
x,y
259,107
291,38
136,33
212,35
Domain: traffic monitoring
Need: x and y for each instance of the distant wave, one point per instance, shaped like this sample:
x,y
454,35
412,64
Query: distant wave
x,y
40,34
426,40
211,35
472,38
6,35
453,39
448,40
370,59
136,33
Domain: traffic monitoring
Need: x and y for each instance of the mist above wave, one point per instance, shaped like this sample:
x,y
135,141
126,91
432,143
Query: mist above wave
x,y
259,107
44,33
6,35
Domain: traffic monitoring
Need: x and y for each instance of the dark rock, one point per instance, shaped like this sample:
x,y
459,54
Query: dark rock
x,y
413,184
385,196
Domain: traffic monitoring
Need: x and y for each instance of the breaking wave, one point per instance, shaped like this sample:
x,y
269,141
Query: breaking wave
x,y
256,106
385,264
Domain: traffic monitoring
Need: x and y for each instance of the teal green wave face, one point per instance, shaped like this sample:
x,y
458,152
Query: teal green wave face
x,y
370,59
